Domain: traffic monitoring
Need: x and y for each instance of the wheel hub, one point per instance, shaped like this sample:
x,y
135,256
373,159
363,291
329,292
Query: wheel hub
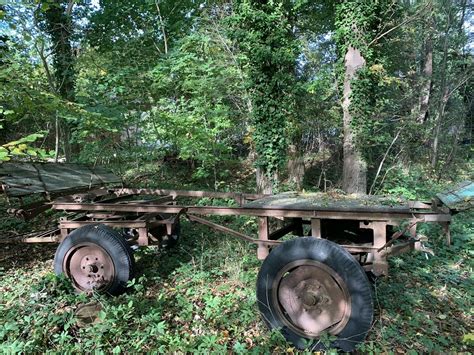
x,y
313,298
311,294
89,267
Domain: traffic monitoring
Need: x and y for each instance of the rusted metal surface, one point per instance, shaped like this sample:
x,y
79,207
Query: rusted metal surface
x,y
89,267
312,298
226,230
293,226
316,227
263,237
428,216
49,236
116,224
156,215
410,227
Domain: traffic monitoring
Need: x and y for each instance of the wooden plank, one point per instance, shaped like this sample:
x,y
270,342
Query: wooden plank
x,y
331,202
237,196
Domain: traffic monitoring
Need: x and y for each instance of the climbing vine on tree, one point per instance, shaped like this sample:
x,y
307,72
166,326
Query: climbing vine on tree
x,y
358,24
265,34
362,69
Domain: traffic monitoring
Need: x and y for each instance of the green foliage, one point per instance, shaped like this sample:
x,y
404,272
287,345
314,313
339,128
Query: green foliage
x,y
204,82
412,184
192,112
23,148
264,33
425,297
359,24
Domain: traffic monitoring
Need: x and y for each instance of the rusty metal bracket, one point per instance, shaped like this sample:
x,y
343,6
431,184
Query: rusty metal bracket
x,y
220,228
398,234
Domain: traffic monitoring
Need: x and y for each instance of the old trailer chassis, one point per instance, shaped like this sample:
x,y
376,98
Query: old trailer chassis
x,y
163,214
315,282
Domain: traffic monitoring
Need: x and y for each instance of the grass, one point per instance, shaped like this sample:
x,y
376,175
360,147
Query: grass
x,y
200,297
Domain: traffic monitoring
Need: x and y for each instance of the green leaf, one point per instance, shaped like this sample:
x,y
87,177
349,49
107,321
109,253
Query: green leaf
x,y
4,156
102,315
468,338
17,151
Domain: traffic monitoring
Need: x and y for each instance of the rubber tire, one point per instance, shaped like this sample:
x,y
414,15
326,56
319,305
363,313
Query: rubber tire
x,y
112,242
344,264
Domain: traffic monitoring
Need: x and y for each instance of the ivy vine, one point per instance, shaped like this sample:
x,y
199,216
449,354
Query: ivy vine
x,y
264,32
357,24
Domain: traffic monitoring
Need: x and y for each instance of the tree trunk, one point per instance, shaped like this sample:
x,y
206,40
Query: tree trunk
x,y
57,139
354,168
264,182
444,92
425,90
58,17
437,129
295,166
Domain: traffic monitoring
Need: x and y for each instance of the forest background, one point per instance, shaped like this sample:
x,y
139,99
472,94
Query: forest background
x,y
355,95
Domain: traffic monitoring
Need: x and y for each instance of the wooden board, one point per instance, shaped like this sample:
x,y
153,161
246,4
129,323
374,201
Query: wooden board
x,y
21,179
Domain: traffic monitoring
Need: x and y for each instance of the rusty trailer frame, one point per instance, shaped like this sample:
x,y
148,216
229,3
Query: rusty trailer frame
x,y
313,282
143,216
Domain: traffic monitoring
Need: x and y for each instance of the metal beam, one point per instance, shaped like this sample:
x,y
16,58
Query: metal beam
x,y
220,228
247,211
122,224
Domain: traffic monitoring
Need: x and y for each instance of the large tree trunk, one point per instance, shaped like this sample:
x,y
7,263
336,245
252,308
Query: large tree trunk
x,y
295,166
425,90
58,18
355,168
264,183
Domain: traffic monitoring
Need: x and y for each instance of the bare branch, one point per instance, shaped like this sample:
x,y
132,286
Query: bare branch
x,y
410,19
69,7
383,160
162,26
43,58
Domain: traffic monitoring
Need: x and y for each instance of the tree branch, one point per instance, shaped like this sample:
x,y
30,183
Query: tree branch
x,y
383,160
399,25
69,7
162,26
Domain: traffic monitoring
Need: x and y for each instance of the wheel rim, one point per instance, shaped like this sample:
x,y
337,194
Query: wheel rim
x,y
89,267
310,298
